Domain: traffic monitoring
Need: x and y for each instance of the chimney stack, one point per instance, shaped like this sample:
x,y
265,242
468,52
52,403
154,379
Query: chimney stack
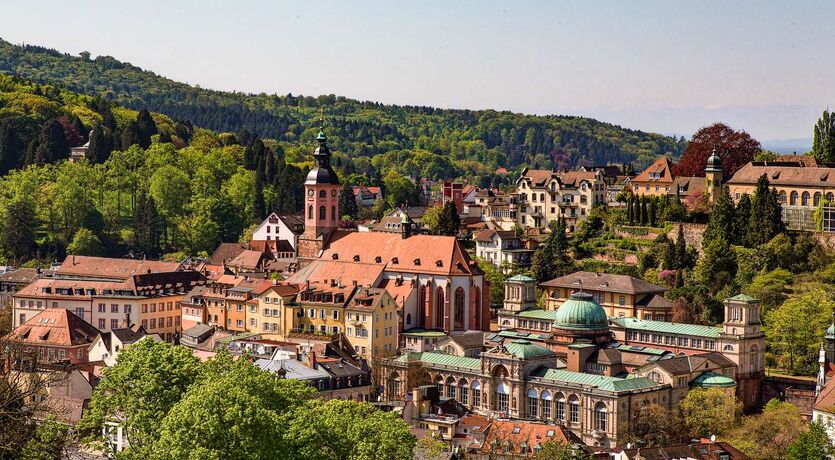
x,y
311,357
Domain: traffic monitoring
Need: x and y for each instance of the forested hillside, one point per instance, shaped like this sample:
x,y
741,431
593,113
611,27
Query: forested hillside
x,y
370,138
150,184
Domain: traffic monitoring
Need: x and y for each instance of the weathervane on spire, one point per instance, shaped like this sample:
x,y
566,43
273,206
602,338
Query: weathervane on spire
x,y
321,118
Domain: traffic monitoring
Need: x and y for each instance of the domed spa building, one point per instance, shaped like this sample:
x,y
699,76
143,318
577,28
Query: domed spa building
x,y
576,375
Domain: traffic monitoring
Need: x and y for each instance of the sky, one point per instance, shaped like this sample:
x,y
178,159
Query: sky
x,y
663,66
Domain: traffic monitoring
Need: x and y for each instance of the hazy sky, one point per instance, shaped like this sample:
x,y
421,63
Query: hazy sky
x,y
665,66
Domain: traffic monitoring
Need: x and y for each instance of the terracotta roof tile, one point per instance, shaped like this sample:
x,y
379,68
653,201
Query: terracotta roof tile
x,y
56,327
785,174
105,267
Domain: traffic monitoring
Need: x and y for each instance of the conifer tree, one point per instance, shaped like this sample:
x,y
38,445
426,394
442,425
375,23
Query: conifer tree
x,y
643,211
146,128
823,144
19,230
51,145
130,135
652,218
742,216
11,146
347,201
681,248
717,267
630,209
551,259
449,221
259,207
721,220
766,214
146,225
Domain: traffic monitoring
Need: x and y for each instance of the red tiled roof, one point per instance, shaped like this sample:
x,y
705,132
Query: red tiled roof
x,y
441,255
246,259
345,271
516,433
783,174
825,401
112,268
662,165
57,327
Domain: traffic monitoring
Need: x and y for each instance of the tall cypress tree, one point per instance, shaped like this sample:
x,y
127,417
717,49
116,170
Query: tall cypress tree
x,y
630,209
642,210
721,218
742,217
681,248
652,218
146,225
766,214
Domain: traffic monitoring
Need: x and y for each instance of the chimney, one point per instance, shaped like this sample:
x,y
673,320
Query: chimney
x,y
311,359
306,285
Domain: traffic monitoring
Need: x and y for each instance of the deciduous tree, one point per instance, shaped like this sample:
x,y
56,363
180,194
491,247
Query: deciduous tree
x,y
707,412
735,148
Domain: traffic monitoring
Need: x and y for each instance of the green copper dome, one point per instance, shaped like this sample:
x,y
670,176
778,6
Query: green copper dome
x,y
525,350
521,278
714,162
713,380
580,311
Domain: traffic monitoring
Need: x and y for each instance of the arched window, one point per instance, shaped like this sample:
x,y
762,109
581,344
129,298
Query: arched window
x,y
830,197
804,200
450,388
322,212
654,376
533,403
793,199
408,319
542,197
439,381
439,308
600,417
728,348
546,404
560,407
573,409
476,386
394,385
782,197
459,308
463,392
310,212
333,213
817,199
323,194
502,397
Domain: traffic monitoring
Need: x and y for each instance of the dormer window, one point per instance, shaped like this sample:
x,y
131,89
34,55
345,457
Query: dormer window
x,y
335,256
417,262
394,260
356,258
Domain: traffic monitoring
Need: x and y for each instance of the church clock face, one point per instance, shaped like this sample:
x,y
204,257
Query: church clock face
x,y
333,192
310,192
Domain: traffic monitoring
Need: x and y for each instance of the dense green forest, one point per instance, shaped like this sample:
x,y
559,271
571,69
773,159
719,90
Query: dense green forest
x,y
151,184
369,138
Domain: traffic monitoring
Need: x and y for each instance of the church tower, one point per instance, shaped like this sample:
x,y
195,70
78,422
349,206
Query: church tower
x,y
713,177
321,202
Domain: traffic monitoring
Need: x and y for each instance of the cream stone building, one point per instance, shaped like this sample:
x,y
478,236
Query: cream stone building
x,y
544,195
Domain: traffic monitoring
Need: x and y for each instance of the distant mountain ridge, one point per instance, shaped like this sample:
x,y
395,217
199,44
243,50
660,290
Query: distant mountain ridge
x,y
467,142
